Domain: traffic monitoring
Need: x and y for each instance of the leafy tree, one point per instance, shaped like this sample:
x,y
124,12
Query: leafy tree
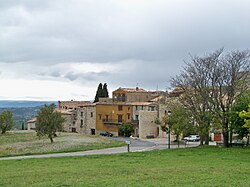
x,y
49,122
180,121
162,122
246,116
126,129
6,121
237,122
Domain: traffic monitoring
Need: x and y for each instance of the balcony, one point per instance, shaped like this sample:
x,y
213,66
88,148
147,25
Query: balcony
x,y
112,121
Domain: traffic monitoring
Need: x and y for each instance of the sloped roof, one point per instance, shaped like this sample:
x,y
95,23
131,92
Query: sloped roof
x,y
131,90
75,104
33,120
64,111
140,103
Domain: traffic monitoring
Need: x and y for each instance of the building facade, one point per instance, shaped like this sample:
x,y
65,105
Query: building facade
x,y
80,116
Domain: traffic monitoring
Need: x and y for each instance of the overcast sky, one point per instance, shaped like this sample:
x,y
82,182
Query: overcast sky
x,y
62,49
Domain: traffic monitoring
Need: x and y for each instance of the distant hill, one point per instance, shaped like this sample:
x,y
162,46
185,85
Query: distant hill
x,y
23,110
23,104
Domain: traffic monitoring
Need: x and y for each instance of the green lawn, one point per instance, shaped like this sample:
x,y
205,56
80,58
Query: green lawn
x,y
208,166
26,143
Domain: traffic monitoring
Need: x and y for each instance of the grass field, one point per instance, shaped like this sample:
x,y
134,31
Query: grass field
x,y
25,143
208,166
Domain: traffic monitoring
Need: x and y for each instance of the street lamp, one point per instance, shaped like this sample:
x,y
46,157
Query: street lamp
x,y
169,114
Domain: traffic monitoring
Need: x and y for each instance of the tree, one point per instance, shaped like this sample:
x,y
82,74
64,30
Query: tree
x,y
105,90
180,121
195,83
211,84
102,92
230,80
246,116
126,129
6,121
237,122
49,122
98,93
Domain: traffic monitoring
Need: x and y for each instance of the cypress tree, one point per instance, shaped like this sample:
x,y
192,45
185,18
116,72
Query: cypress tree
x,y
98,93
105,90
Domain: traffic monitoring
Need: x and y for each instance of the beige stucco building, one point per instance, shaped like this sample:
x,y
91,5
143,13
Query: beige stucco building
x,y
31,124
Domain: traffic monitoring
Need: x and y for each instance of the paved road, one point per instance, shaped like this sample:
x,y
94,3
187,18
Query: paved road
x,y
135,146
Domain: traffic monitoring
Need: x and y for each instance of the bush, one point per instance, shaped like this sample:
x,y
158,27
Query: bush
x,y
126,129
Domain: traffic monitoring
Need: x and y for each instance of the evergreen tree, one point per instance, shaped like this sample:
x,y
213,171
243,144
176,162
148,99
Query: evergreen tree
x,y
98,93
105,90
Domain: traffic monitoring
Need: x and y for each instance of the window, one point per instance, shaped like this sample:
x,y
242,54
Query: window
x,y
119,107
128,108
91,114
123,97
136,107
81,124
100,117
81,114
119,118
136,117
74,123
151,108
142,107
119,98
128,116
107,118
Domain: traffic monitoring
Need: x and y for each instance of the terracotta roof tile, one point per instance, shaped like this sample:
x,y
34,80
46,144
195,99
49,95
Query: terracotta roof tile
x,y
33,120
131,90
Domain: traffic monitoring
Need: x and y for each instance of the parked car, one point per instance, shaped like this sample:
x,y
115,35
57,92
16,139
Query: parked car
x,y
106,133
192,138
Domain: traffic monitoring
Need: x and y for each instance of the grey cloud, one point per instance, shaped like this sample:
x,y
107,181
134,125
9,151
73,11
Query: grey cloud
x,y
90,76
159,34
110,32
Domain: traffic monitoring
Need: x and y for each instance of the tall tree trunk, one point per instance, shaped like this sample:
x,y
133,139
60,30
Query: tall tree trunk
x,y
231,137
207,139
177,137
201,140
225,137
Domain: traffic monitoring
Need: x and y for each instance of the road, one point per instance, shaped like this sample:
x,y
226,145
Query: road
x,y
135,146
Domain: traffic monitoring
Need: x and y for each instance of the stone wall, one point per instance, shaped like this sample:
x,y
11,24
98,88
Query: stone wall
x,y
147,126
67,125
85,119
81,120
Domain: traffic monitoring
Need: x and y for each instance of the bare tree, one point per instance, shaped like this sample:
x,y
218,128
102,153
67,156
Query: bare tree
x,y
211,84
231,82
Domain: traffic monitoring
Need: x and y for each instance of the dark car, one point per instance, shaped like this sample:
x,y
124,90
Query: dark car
x,y
106,133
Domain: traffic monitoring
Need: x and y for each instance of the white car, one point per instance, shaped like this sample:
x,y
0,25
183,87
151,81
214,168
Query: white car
x,y
192,138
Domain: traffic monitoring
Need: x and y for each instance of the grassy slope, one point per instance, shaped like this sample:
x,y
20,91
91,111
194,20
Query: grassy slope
x,y
184,167
21,143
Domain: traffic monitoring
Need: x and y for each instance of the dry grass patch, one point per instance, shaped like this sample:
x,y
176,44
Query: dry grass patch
x,y
24,143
